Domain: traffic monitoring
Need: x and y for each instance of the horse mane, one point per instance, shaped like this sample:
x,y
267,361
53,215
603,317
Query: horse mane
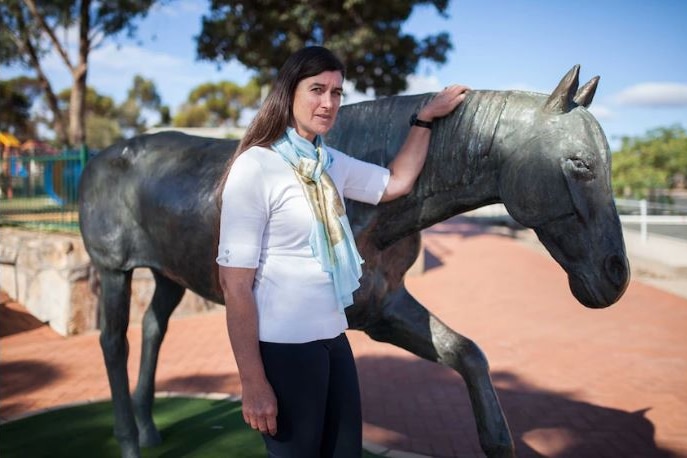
x,y
460,154
460,142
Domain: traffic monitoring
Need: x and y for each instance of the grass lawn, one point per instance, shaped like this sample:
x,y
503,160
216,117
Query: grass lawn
x,y
190,427
41,213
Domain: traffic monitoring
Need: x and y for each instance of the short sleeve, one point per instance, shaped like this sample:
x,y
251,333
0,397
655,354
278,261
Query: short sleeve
x,y
364,181
244,214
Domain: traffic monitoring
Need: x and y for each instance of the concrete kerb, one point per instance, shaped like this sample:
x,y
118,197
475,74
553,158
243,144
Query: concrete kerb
x,y
668,252
659,261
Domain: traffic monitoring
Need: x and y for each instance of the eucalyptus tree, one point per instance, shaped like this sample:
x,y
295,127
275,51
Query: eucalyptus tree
x,y
31,30
656,161
368,36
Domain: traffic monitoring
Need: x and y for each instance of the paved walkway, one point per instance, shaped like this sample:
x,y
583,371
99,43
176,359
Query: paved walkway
x,y
573,382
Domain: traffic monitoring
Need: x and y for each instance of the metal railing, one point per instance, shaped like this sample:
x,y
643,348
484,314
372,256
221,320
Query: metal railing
x,y
640,213
645,213
41,191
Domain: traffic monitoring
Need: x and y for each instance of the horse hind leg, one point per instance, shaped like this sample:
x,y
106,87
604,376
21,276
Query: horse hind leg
x,y
165,299
408,324
114,301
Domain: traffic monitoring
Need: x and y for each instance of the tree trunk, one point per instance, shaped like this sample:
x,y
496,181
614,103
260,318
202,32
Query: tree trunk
x,y
77,102
59,126
26,44
77,118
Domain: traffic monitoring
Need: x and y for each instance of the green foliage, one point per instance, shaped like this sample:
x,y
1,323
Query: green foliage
x,y
96,104
141,96
365,34
657,160
213,104
101,127
191,116
165,115
101,132
107,122
16,97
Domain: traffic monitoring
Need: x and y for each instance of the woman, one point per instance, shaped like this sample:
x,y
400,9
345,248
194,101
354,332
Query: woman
x,y
288,261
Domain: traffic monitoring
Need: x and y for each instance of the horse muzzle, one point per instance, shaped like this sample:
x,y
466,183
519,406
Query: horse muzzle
x,y
606,288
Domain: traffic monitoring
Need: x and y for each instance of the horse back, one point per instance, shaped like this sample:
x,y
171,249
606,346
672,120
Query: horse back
x,y
150,202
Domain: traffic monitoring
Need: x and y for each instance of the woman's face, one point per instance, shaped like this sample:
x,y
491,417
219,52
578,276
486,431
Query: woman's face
x,y
316,103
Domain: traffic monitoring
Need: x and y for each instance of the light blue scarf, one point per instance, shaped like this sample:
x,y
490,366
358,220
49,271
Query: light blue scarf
x,y
331,238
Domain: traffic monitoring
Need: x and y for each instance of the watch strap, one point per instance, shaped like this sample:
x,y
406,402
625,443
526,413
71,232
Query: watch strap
x,y
414,121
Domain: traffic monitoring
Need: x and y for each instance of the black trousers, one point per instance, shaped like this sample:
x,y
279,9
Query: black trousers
x,y
318,399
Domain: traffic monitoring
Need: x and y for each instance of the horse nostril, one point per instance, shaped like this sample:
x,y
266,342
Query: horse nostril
x,y
616,270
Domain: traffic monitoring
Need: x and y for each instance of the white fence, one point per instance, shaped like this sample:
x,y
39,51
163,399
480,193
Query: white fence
x,y
639,212
644,213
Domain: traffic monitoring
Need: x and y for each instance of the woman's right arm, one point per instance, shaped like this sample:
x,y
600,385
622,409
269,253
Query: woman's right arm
x,y
259,402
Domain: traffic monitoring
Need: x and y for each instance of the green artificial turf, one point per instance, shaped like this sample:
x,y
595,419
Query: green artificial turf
x,y
190,427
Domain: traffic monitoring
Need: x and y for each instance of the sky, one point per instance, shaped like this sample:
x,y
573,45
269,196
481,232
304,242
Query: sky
x,y
637,47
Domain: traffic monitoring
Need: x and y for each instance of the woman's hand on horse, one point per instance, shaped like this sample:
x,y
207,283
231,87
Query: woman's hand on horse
x,y
260,407
444,102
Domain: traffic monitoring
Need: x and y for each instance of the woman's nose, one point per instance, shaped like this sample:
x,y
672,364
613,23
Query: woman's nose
x,y
326,100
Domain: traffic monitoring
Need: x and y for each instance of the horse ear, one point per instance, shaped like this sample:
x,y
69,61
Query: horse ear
x,y
586,93
561,99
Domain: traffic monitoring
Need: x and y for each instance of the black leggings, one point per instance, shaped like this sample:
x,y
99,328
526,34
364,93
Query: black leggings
x,y
318,399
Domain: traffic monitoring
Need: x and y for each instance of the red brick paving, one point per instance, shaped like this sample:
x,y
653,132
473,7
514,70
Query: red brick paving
x,y
573,382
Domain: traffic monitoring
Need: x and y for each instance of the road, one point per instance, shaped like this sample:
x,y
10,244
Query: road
x,y
669,230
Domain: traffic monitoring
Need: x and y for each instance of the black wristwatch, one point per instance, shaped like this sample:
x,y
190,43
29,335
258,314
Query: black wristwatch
x,y
419,122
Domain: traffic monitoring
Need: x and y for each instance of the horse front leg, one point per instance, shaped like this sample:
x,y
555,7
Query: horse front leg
x,y
114,301
165,299
408,324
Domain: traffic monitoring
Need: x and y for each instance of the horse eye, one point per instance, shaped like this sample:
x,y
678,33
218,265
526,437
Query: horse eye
x,y
580,168
579,163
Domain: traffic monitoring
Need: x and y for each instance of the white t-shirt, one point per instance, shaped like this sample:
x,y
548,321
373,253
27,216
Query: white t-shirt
x,y
265,224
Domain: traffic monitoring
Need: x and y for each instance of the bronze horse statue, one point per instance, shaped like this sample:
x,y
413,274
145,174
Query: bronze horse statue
x,y
150,202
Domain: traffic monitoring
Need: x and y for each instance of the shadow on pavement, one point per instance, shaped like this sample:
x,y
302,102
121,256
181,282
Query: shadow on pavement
x,y
200,383
13,320
20,378
542,422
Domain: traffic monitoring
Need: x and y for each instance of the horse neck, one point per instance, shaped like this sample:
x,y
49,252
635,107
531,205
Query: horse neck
x,y
461,172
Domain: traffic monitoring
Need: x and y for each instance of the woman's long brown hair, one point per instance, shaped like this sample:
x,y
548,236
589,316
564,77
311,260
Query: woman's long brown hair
x,y
275,114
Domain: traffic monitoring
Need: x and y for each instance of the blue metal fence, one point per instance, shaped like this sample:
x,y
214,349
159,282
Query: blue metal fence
x,y
41,191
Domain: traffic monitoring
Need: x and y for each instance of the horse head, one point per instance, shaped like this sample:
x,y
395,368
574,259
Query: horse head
x,y
559,184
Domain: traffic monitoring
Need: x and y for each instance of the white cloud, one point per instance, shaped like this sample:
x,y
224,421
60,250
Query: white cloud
x,y
114,67
114,58
654,95
601,112
352,96
422,85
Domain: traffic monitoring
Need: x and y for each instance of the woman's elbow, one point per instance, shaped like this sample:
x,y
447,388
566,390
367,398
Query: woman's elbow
x,y
396,189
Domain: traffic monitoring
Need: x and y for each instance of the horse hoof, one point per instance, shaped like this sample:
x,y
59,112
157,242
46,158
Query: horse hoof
x,y
149,437
130,451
